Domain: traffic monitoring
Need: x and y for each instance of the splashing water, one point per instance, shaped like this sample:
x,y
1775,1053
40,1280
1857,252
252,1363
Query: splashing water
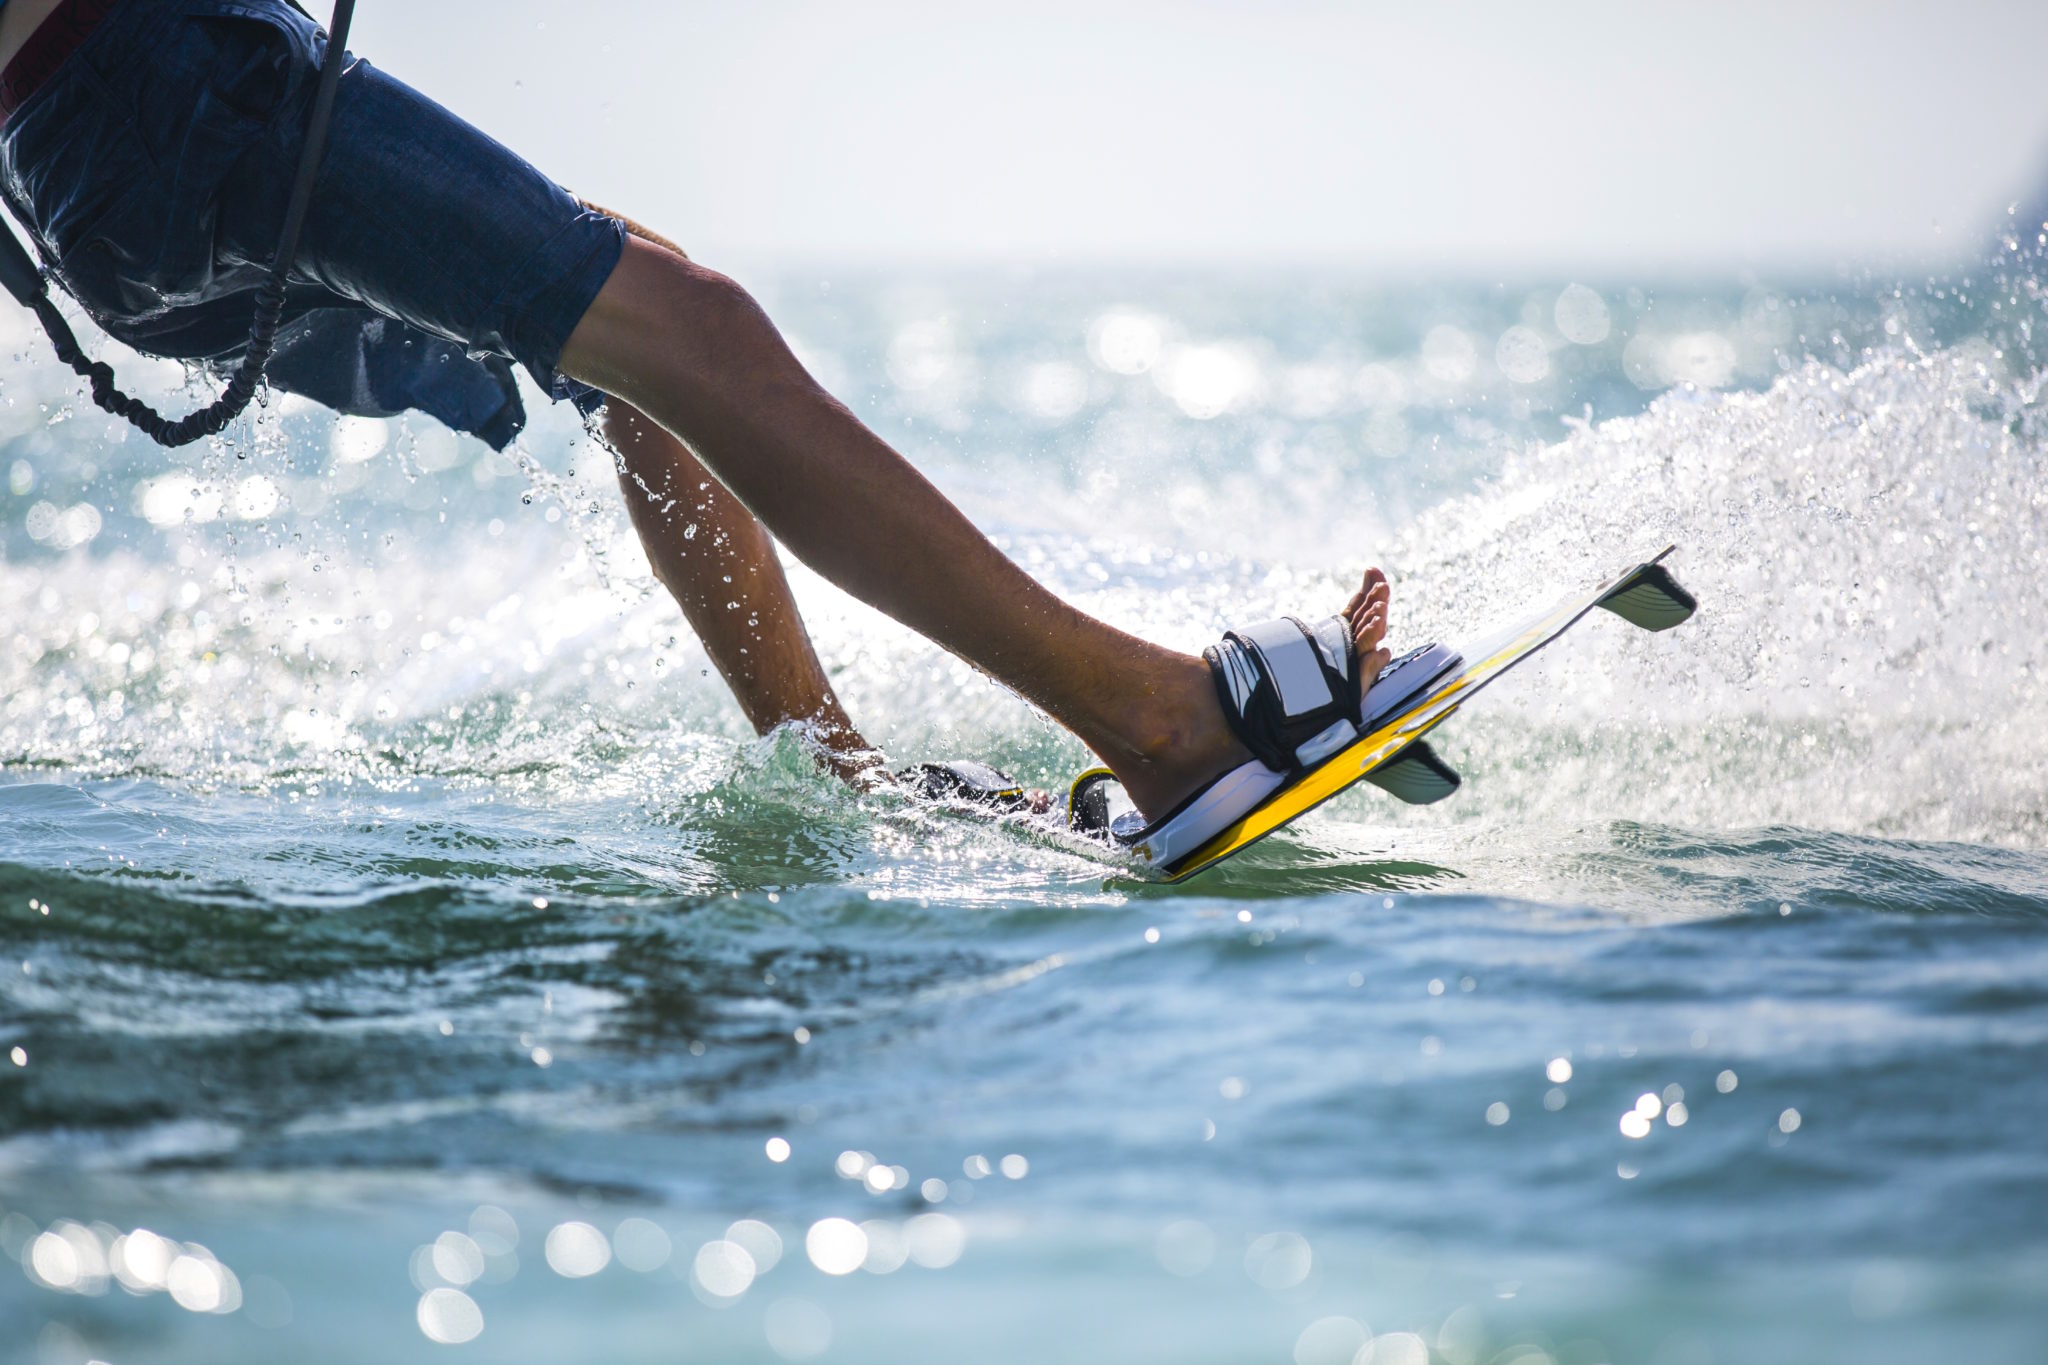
x,y
1863,660
398,921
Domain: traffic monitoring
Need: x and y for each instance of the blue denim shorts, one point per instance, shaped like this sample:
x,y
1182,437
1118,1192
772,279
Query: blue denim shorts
x,y
152,172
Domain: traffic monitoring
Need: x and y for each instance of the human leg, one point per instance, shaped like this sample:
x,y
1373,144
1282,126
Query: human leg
x,y
720,565
689,348
422,218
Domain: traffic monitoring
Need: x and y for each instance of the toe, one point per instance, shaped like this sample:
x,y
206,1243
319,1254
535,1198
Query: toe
x,y
1369,622
1373,592
1367,613
1374,581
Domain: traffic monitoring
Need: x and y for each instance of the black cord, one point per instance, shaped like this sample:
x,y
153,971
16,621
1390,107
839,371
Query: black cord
x,y
210,419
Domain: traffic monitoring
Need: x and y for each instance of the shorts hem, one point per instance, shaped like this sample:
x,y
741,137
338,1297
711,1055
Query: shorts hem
x,y
551,292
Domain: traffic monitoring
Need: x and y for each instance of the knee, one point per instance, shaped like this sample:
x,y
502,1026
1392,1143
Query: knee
x,y
679,299
664,326
622,425
717,304
647,456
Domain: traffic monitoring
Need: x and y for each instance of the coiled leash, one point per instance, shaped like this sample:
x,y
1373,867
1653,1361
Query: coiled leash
x,y
27,281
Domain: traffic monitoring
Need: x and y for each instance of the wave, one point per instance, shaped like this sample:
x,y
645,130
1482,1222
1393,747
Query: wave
x,y
1868,551
1867,544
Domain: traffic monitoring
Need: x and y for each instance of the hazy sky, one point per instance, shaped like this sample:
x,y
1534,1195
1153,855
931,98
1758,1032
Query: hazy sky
x,y
1436,135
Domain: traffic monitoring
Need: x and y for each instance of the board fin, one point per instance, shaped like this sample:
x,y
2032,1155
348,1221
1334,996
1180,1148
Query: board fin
x,y
1651,598
1416,775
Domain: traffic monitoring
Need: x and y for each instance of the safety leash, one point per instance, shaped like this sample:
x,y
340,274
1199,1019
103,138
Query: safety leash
x,y
27,281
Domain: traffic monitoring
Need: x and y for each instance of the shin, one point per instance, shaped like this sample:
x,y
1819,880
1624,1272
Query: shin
x,y
720,565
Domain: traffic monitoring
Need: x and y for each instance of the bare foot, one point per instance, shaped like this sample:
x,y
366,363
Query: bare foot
x,y
845,754
1186,743
1367,612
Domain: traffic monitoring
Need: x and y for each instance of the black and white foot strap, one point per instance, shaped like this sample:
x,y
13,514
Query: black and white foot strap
x,y
966,782
1290,691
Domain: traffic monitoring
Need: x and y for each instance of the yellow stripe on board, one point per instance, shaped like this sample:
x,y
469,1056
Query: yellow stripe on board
x,y
1361,756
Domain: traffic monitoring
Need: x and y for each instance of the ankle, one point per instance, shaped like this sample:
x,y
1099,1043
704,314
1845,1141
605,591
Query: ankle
x,y
1172,738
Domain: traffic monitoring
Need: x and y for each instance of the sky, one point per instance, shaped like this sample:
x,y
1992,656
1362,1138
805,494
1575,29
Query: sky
x,y
1452,136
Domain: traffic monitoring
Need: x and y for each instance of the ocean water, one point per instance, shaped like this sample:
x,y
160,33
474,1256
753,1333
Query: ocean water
x,y
407,953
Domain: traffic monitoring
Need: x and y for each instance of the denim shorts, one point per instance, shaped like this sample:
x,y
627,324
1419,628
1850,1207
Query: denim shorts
x,y
152,172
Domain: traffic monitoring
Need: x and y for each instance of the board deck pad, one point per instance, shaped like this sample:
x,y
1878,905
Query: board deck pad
x,y
1393,756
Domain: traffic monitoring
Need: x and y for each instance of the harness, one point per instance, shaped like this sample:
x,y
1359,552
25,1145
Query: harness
x,y
29,283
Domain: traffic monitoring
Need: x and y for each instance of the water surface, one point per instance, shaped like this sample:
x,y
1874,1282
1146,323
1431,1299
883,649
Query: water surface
x,y
399,925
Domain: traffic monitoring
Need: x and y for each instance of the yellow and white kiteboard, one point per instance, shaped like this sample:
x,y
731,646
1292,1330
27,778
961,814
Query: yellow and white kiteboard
x,y
1382,745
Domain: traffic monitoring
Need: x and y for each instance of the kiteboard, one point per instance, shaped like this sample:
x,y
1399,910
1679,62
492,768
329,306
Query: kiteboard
x,y
1392,754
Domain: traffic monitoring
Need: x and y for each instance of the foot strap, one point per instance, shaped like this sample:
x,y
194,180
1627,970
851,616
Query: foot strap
x,y
1098,807
967,782
1288,690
